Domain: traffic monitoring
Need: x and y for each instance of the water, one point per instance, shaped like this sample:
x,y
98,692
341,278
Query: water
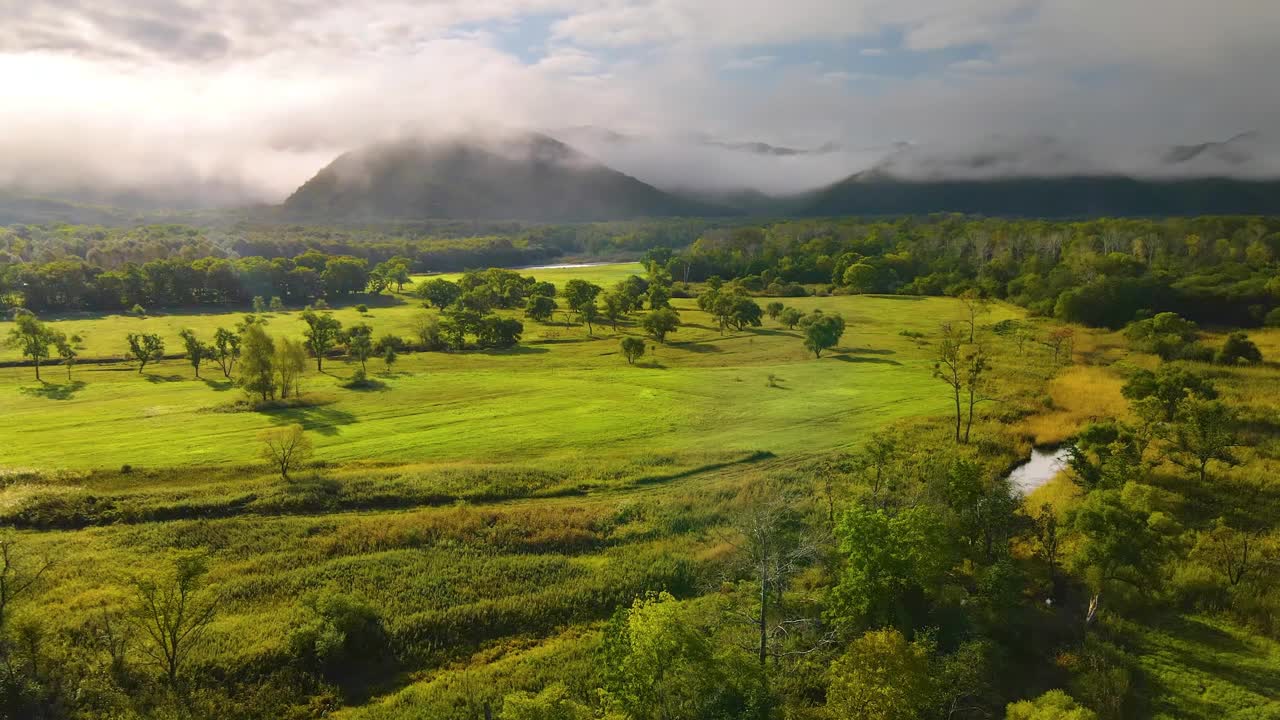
x,y
565,266
1040,469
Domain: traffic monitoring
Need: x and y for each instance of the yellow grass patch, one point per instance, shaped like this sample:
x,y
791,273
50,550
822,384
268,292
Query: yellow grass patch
x,y
1081,394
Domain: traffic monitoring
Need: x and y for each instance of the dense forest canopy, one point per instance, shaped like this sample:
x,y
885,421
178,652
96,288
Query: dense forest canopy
x,y
1098,272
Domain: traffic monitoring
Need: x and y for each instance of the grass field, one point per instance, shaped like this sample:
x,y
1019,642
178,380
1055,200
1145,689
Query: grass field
x,y
496,506
561,393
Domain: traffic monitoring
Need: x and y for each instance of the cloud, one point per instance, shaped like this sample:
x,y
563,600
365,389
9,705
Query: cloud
x,y
261,93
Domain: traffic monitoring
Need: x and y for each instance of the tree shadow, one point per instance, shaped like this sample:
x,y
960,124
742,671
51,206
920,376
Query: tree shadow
x,y
219,385
845,357
910,298
324,420
696,347
163,378
367,385
517,350
871,351
775,332
50,391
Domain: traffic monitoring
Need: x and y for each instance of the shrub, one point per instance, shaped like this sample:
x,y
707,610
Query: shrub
x,y
138,310
1237,350
1272,318
362,308
341,639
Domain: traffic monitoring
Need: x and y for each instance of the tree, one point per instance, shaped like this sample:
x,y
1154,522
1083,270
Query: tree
x,y
1232,552
495,331
172,616
949,368
17,576
774,309
32,338
632,349
360,343
1121,545
659,323
290,360
196,351
615,307
589,313
285,448
974,305
540,308
790,317
976,366
68,349
1167,335
145,348
881,677
1169,385
323,333
439,292
226,350
1053,705
1060,341
389,356
1237,350
277,305
822,331
427,329
257,363
1203,431
579,293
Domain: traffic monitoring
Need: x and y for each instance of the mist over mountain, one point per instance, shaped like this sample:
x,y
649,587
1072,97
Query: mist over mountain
x,y
523,176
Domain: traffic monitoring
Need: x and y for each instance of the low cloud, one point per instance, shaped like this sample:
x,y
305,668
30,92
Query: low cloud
x,y
247,99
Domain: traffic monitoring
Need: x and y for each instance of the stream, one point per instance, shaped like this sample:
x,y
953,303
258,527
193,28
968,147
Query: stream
x,y
1039,469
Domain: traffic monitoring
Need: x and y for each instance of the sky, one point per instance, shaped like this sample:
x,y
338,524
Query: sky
x,y
259,94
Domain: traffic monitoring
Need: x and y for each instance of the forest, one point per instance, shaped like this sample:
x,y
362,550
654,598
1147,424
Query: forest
x,y
748,470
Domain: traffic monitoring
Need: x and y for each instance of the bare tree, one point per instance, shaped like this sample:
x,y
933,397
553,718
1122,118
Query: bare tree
x,y
974,305
1062,342
172,617
976,366
949,367
285,447
17,577
772,544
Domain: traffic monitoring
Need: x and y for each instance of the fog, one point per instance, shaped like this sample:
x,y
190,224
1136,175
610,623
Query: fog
x,y
214,103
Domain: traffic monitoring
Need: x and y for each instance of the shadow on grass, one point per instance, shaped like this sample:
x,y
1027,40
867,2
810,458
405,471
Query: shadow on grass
x,y
871,351
846,357
49,391
324,420
911,298
163,378
517,350
219,385
695,347
775,332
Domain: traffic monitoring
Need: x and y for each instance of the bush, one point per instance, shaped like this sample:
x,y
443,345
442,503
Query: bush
x,y
342,640
1237,350
362,308
1272,318
139,311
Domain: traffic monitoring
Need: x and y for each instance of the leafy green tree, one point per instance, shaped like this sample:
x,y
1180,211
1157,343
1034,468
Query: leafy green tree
x,y
822,331
889,564
496,331
589,313
226,350
1121,549
949,368
881,677
632,349
344,275
341,639
359,340
540,308
661,322
259,305
578,294
1106,455
285,448
790,317
774,309
1167,335
631,293
659,663
659,290
68,349
1169,385
277,305
426,328
257,363
290,360
197,352
323,334
1238,350
614,308
389,357
145,348
32,338
457,322
390,272
1053,705
439,292
1203,431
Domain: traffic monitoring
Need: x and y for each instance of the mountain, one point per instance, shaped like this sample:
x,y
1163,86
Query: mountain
x,y
877,193
526,176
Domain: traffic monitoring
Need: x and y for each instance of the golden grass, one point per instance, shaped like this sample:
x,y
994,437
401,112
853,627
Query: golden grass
x,y
1081,394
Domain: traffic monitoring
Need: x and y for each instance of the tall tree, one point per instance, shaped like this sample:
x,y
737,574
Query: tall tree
x,y
290,360
360,343
976,367
32,338
661,322
284,448
68,348
196,351
323,334
949,368
257,363
881,677
226,350
1203,431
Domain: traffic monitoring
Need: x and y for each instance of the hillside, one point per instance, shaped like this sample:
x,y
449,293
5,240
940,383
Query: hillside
x,y
877,193
525,177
